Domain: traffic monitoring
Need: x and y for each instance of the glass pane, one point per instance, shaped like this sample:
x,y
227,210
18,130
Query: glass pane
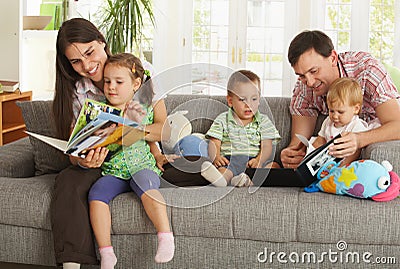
x,y
210,43
338,23
265,43
264,52
382,26
218,17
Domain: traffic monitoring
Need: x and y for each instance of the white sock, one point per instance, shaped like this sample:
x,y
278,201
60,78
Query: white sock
x,y
71,265
166,247
211,174
108,259
241,180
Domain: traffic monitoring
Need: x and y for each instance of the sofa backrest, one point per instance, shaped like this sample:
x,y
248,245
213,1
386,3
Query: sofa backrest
x,y
202,110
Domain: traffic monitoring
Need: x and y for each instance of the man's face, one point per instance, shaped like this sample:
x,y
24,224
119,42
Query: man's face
x,y
316,71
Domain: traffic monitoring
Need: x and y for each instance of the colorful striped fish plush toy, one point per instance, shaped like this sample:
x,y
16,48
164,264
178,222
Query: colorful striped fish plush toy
x,y
361,179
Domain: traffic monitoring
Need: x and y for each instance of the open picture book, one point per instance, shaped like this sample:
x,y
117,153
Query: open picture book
x,y
315,157
98,125
302,176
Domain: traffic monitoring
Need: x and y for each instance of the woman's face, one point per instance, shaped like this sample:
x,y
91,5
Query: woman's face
x,y
87,59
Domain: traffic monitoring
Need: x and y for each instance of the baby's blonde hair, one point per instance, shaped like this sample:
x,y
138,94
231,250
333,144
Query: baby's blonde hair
x,y
346,91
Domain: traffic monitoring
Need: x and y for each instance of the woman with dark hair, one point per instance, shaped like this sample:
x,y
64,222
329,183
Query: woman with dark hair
x,y
81,54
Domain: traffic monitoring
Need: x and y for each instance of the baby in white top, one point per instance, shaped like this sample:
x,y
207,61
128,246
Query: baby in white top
x,y
344,101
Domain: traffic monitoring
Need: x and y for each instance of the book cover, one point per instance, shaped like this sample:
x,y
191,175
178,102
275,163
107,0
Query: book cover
x,y
315,159
98,125
8,86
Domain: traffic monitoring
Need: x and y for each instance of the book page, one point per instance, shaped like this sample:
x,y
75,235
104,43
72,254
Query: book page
x,y
90,110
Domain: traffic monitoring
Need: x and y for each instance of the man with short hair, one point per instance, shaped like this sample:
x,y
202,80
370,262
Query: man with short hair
x,y
317,64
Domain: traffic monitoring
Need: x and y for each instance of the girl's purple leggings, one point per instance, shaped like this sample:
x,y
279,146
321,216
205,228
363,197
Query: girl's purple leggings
x,y
108,187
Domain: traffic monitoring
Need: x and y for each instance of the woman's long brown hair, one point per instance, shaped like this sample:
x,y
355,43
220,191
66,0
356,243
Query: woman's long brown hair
x,y
75,30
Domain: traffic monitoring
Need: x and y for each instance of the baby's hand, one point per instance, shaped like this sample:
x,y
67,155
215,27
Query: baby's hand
x,y
134,111
220,161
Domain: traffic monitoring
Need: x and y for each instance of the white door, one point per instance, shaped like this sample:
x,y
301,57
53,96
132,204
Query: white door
x,y
242,34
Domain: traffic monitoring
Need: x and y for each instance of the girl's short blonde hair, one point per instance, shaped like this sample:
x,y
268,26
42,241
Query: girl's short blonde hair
x,y
346,91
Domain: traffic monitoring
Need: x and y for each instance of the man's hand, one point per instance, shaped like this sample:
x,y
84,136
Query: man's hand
x,y
345,146
220,161
292,155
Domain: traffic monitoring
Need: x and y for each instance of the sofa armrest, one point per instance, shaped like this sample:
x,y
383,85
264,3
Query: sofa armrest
x,y
389,151
17,159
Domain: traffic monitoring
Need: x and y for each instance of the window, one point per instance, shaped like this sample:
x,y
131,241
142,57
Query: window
x,y
255,34
338,23
382,29
242,34
370,25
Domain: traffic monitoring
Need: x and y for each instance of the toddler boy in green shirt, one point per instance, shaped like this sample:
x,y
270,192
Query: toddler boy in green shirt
x,y
240,137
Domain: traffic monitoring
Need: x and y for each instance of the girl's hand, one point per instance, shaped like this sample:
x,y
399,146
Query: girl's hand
x,y
134,111
162,159
94,159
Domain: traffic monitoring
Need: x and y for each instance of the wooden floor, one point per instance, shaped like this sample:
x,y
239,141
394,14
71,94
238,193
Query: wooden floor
x,y
4,265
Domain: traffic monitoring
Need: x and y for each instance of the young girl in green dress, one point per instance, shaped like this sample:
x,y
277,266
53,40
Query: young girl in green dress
x,y
133,167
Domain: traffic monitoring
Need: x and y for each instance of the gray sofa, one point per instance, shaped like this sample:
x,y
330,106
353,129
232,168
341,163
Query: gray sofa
x,y
213,227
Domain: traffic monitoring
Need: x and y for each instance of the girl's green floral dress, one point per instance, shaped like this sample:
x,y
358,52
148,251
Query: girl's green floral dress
x,y
126,161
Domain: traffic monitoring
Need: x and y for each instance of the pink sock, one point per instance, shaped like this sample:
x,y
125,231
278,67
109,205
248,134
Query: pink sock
x,y
166,247
108,258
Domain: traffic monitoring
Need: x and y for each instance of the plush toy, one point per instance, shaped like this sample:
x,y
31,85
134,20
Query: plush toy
x,y
181,140
361,179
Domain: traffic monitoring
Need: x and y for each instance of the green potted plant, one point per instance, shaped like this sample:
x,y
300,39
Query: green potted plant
x,y
122,22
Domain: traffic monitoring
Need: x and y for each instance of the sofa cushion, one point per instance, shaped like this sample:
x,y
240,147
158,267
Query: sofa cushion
x,y
26,201
268,214
328,218
38,119
17,159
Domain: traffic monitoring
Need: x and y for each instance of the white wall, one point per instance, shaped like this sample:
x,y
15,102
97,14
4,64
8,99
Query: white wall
x,y
38,58
26,56
170,36
10,22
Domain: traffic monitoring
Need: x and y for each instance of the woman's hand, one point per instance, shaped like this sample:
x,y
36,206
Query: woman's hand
x,y
94,159
134,111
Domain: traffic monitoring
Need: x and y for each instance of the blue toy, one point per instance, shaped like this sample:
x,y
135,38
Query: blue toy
x,y
361,179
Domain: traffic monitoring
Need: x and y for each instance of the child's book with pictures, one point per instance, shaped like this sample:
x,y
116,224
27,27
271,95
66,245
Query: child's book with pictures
x,y
98,125
302,176
316,158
